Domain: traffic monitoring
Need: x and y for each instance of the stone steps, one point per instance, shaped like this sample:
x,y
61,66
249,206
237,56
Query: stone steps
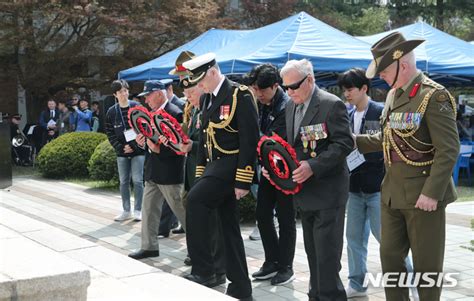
x,y
41,262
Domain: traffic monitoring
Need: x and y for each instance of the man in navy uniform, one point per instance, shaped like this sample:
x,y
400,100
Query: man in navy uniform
x,y
225,170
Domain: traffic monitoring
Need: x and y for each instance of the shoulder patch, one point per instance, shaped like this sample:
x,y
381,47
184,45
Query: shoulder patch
x,y
441,96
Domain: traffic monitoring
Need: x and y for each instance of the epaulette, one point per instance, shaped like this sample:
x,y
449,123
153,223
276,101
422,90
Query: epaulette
x,y
243,88
429,82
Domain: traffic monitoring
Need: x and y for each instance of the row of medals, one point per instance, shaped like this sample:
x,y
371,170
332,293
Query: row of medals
x,y
309,136
405,120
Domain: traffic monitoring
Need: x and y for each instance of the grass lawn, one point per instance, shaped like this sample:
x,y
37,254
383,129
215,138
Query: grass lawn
x,y
29,171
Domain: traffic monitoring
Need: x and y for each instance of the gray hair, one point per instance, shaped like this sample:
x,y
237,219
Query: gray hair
x,y
303,67
409,58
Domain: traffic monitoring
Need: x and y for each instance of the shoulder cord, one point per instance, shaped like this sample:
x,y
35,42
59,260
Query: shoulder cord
x,y
388,132
224,125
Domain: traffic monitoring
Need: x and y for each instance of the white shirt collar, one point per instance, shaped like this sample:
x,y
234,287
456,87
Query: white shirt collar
x,y
216,90
164,104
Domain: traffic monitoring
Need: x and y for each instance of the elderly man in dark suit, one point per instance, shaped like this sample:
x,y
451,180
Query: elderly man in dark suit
x,y
318,128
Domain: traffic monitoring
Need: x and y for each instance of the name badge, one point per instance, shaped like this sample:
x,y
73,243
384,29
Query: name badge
x,y
371,127
130,135
354,160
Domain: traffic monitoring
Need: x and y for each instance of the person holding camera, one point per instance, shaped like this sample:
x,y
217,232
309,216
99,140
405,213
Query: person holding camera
x,y
83,116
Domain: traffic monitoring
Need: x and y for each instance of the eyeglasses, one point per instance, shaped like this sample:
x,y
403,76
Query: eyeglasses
x,y
295,86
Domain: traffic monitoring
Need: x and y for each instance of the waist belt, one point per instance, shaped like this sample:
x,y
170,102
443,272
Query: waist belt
x,y
411,155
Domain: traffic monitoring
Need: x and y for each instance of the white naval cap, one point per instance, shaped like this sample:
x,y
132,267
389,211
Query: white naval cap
x,y
198,66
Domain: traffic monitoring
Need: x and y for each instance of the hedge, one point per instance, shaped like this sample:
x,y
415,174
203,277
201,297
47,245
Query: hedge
x,y
103,163
68,155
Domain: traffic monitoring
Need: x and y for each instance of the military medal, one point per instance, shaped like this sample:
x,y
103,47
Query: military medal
x,y
313,147
224,112
324,130
304,140
305,143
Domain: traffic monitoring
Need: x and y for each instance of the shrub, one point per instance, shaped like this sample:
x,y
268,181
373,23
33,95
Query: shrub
x,y
247,206
103,163
68,155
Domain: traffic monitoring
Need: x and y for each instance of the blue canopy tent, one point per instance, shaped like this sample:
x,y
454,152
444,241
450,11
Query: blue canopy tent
x,y
444,57
158,68
296,37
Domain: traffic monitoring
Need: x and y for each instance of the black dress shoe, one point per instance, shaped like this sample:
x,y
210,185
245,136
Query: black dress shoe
x,y
140,254
209,281
179,230
247,298
187,261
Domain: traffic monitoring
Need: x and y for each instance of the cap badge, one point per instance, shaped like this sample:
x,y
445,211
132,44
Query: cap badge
x,y
397,54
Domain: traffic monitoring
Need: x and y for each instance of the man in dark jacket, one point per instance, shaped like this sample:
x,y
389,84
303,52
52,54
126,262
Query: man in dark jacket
x,y
47,121
170,94
164,175
279,249
318,128
130,156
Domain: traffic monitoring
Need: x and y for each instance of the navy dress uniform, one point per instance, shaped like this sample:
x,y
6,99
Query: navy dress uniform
x,y
225,161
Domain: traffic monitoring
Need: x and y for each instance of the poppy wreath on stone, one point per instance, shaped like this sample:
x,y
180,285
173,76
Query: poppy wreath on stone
x,y
279,159
169,127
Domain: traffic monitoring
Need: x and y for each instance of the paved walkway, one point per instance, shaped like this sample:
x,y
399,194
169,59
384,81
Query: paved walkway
x,y
88,213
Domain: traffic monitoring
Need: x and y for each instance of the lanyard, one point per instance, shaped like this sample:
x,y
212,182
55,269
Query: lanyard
x,y
121,115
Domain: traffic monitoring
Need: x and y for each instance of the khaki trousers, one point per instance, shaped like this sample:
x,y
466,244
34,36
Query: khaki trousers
x,y
422,232
153,198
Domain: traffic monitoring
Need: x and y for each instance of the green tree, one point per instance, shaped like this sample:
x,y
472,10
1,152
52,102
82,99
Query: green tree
x,y
452,16
55,44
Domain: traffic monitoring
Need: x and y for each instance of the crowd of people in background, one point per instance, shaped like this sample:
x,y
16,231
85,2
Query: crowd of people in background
x,y
58,118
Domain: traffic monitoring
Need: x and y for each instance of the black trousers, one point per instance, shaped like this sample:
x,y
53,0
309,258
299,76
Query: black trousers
x,y
323,239
168,220
280,249
210,196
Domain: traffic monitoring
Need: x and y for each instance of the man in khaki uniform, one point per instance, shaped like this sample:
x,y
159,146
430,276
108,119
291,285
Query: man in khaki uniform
x,y
420,144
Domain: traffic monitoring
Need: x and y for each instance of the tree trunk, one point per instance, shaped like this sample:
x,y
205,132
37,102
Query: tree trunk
x,y
440,14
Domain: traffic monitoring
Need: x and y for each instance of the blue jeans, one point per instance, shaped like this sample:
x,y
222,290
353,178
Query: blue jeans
x,y
363,217
131,167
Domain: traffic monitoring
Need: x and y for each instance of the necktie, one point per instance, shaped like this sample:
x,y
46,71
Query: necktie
x,y
210,101
398,93
51,114
298,118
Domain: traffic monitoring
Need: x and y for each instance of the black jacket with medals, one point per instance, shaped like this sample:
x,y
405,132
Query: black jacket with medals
x,y
227,147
